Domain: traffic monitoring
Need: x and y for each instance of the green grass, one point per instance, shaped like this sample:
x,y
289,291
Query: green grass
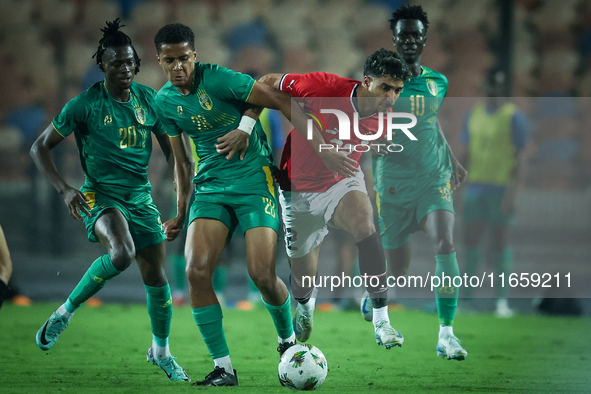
x,y
103,351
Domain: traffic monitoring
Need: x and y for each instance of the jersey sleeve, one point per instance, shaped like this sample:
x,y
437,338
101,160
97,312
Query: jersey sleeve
x,y
165,121
299,85
228,84
72,117
158,128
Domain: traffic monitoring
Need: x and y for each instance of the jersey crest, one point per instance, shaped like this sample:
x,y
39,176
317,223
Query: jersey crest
x,y
179,110
140,115
432,86
205,102
108,120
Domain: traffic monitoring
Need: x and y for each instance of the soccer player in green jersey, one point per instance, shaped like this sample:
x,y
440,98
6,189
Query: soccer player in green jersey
x,y
414,187
208,102
112,123
495,133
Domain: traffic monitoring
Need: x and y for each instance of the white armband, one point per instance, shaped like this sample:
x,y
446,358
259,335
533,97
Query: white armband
x,y
247,124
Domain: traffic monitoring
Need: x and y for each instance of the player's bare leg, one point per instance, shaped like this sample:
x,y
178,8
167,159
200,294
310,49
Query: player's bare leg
x,y
112,231
354,214
206,239
261,252
398,262
304,292
438,225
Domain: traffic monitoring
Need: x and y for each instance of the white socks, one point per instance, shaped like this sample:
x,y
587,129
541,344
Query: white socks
x,y
64,312
292,338
159,351
380,314
224,362
445,331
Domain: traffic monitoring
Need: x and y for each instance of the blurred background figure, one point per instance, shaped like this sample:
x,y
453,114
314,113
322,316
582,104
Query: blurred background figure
x,y
496,135
5,268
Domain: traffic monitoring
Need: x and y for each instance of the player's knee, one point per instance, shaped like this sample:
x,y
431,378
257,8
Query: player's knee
x,y
362,229
444,245
263,279
123,257
197,273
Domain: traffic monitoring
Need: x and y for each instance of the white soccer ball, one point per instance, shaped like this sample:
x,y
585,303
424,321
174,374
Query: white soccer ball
x,y
303,367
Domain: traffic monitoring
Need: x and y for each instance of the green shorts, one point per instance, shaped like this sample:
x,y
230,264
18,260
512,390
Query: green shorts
x,y
485,207
248,210
397,223
138,208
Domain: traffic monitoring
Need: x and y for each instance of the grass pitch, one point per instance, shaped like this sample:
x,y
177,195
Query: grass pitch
x,y
103,351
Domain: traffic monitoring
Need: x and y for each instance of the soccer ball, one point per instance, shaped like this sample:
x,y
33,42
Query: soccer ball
x,y
302,367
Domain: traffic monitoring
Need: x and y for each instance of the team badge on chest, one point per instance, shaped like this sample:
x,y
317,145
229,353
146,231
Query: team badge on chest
x,y
432,86
205,102
140,115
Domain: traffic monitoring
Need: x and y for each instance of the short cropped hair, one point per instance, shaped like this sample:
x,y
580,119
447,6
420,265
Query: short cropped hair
x,y
174,33
409,12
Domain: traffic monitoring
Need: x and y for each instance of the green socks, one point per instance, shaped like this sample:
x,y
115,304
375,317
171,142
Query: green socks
x,y
209,321
160,311
282,318
99,273
446,294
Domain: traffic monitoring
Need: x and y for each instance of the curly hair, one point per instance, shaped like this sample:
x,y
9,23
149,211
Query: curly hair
x,y
386,63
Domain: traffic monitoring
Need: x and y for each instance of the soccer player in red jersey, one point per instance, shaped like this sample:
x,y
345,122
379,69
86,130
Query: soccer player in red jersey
x,y
314,196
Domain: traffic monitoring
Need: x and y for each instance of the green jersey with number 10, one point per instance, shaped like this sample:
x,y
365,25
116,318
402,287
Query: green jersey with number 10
x,y
402,176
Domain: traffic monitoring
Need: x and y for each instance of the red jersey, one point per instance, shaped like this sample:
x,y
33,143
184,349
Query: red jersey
x,y
301,167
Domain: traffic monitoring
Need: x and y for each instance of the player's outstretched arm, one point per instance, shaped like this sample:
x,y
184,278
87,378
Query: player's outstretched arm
x,y
75,200
183,172
266,94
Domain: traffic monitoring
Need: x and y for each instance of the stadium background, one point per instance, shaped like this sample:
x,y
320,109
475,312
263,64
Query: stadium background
x,y
46,49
